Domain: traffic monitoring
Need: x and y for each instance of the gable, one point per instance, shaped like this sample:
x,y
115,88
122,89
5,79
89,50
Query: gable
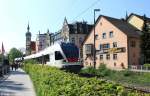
x,y
121,25
136,22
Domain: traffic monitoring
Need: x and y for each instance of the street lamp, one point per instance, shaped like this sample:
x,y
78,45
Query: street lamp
x,y
94,53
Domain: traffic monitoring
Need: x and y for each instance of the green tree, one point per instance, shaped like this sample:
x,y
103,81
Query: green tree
x,y
145,43
14,53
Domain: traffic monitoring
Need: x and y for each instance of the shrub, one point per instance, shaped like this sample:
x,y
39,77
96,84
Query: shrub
x,y
89,70
127,72
49,81
31,61
147,65
103,70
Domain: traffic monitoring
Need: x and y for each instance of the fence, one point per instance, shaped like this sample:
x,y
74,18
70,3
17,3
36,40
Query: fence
x,y
4,69
140,68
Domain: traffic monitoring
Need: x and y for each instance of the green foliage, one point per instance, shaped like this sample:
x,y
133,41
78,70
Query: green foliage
x,y
31,61
14,53
127,72
123,77
145,39
89,70
147,65
103,70
49,81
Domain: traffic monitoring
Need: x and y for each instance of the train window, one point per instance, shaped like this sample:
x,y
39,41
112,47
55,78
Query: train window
x,y
58,55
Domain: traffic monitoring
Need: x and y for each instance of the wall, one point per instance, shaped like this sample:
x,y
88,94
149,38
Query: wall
x,y
134,52
40,42
104,26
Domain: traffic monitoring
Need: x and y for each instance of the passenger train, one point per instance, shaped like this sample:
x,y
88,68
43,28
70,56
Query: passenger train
x,y
61,55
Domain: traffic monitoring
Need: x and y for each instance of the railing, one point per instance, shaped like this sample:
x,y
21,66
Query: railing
x,y
4,70
139,68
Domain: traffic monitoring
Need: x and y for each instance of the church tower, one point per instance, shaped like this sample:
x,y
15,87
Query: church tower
x,y
28,41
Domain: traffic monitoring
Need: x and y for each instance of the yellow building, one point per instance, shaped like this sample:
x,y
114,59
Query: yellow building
x,y
142,23
137,21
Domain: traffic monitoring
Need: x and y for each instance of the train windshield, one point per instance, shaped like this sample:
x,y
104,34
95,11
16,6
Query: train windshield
x,y
58,55
71,51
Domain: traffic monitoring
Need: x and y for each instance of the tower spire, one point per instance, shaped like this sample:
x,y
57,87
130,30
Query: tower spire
x,y
126,15
65,20
28,28
3,50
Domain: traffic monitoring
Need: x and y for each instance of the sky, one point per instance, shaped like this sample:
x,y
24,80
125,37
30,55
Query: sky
x,y
50,14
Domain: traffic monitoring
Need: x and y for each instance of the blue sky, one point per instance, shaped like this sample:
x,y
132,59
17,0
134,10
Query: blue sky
x,y
44,14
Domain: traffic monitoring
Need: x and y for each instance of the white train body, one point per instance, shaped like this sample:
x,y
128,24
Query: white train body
x,y
59,55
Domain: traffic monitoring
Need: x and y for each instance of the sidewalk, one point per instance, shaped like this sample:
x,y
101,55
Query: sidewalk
x,y
17,84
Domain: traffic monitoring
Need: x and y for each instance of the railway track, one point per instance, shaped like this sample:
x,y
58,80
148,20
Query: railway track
x,y
139,89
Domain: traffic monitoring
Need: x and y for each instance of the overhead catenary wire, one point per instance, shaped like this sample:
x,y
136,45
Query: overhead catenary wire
x,y
84,11
73,3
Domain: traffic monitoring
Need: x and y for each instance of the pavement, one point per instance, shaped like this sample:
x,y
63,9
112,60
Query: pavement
x,y
17,83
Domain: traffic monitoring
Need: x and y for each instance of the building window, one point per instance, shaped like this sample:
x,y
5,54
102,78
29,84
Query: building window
x,y
115,64
100,47
96,36
101,57
133,44
114,56
107,46
80,40
122,65
58,55
108,56
104,36
111,34
73,40
88,49
114,44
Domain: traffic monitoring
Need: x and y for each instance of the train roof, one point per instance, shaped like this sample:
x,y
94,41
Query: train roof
x,y
56,47
46,51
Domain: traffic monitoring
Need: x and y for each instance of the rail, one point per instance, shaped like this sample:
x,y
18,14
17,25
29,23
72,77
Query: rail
x,y
139,68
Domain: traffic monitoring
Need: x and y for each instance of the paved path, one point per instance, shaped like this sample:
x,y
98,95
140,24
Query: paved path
x,y
18,83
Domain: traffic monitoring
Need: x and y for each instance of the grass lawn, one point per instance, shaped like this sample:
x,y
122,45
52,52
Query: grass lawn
x,y
139,79
134,78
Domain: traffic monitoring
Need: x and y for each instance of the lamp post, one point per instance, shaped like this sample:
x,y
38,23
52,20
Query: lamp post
x,y
94,53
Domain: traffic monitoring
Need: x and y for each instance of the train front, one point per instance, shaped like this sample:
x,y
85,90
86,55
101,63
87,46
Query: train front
x,y
71,53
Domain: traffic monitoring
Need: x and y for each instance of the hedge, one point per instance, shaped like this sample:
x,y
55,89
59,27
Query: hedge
x,y
49,81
